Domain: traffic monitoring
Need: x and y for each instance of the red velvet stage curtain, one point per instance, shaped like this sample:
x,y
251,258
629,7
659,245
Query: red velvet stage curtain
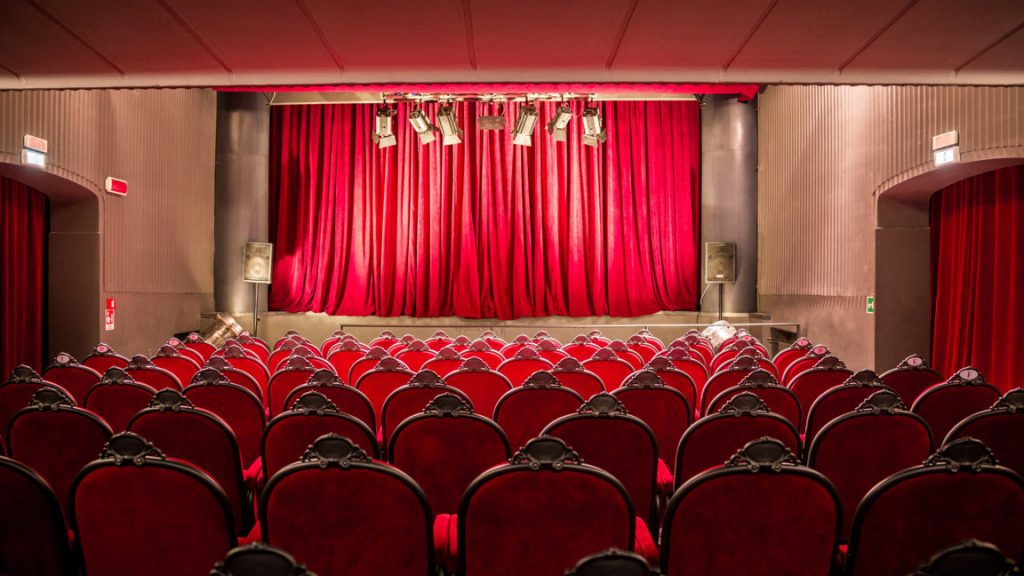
x,y
978,276
23,224
485,229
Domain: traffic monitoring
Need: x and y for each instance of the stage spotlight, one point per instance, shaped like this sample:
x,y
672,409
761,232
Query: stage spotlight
x,y
526,122
382,134
593,130
450,131
421,124
492,121
556,127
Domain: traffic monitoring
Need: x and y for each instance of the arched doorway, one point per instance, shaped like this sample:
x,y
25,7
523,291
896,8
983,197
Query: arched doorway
x,y
903,325
74,262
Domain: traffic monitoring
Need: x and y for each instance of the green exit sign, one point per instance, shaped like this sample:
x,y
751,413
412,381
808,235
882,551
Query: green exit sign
x,y
871,305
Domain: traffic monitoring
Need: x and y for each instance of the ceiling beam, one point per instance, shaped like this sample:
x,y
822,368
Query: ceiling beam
x,y
74,35
320,34
195,35
753,30
622,34
10,71
885,28
986,49
467,18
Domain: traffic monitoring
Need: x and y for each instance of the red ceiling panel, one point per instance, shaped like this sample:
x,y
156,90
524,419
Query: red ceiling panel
x,y
940,34
139,36
256,34
694,34
540,34
32,44
394,33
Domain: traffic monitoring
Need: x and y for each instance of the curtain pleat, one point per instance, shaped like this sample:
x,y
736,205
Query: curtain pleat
x,y
23,222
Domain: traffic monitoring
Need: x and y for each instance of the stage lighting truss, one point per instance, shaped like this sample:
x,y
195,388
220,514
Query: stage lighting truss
x,y
383,135
557,125
422,125
450,131
526,122
593,128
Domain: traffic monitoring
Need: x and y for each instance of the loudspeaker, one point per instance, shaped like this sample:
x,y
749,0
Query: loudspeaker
x,y
257,261
720,262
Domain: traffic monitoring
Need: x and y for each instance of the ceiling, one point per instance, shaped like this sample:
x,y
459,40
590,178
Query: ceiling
x,y
111,43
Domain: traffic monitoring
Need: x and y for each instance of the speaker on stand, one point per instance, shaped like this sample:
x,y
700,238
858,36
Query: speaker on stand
x,y
720,268
257,263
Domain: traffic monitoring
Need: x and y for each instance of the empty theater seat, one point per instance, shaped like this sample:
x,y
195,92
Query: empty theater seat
x,y
943,405
348,399
827,373
411,399
482,384
17,391
571,374
1001,428
237,406
524,411
103,358
33,535
116,397
522,365
779,399
73,377
842,399
141,369
911,377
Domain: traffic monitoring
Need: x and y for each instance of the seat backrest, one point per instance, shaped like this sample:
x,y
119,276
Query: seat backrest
x,y
571,374
195,342
943,405
446,361
623,351
288,350
411,399
911,377
56,438
289,434
674,378
483,351
483,385
259,559
33,536
348,399
859,449
186,351
131,502
385,340
842,399
969,558
170,359
663,408
958,493
1001,428
760,513
545,501
378,512
693,367
642,349
779,399
609,367
103,358
726,379
789,355
373,357
805,362
293,372
714,438
16,392
604,435
237,406
233,375
239,360
144,371
438,341
73,377
415,355
344,356
199,437
524,411
116,398
523,365
389,375
445,447
613,562
828,373
580,348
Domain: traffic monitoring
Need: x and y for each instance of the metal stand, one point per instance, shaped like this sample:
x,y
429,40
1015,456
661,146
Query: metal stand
x,y
721,301
255,309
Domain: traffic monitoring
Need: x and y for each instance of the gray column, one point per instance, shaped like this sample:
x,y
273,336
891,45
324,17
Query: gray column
x,y
242,195
729,195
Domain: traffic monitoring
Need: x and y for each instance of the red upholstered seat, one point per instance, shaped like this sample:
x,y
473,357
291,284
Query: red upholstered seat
x,y
56,439
33,535
346,398
674,378
805,362
609,367
763,362
195,342
958,493
415,355
598,339
446,361
460,344
827,373
761,513
571,374
493,340
233,375
779,399
389,375
524,364
623,351
482,350
144,371
237,406
841,399
641,348
134,507
797,350
662,407
185,351
116,398
1001,428
438,341
289,434
16,393
343,356
385,340
291,374
551,351
74,378
373,357
604,435
581,348
481,384
860,449
170,359
289,349
546,503
692,367
445,447
523,412
726,379
103,357
411,399
512,348
253,346
714,438
911,378
371,519
943,405
199,437
239,360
